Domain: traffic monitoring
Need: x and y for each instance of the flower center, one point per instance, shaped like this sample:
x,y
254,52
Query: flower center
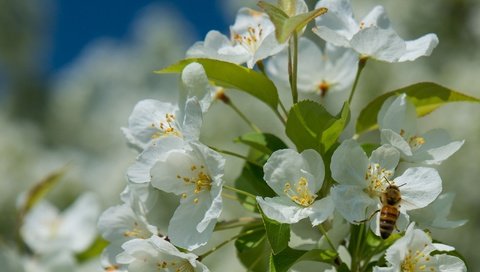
x,y
301,195
137,232
323,88
417,261
251,39
375,177
415,142
199,179
166,127
181,266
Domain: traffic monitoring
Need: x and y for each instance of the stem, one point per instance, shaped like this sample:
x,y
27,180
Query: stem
x,y
293,65
239,222
226,152
284,122
324,233
261,67
356,258
250,123
284,110
361,64
201,257
239,191
231,197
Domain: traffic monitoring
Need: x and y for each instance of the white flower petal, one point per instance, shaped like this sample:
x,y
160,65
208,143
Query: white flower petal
x,y
287,165
386,156
352,203
80,222
377,43
283,210
376,17
437,147
390,137
195,82
36,230
321,210
139,172
398,114
337,26
218,46
349,164
182,229
449,263
435,215
442,247
422,46
420,186
140,130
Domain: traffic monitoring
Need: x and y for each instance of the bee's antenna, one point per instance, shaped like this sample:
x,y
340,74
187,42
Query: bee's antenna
x,y
387,180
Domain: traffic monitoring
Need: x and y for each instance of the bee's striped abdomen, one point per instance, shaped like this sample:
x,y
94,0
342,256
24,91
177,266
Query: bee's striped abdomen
x,y
388,219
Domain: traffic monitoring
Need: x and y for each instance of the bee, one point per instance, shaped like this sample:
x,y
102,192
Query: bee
x,y
389,213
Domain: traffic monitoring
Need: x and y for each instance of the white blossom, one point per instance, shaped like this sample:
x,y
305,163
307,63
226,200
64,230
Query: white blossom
x,y
252,38
45,229
372,37
156,254
195,84
152,121
412,253
435,215
318,72
194,172
397,121
362,180
296,178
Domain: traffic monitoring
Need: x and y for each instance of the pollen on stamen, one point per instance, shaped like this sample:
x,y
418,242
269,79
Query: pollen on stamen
x,y
301,195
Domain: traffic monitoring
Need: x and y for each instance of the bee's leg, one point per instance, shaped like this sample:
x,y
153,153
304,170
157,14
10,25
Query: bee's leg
x,y
368,219
398,214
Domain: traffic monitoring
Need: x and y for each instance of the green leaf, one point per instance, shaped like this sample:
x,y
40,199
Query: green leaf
x,y
38,192
93,251
309,125
330,136
285,259
288,257
253,251
264,142
369,148
251,180
231,75
278,234
426,96
285,26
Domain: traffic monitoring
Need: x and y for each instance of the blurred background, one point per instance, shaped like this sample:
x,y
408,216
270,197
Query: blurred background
x,y
71,73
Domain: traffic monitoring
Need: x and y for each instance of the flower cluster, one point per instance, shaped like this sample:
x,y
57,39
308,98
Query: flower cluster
x,y
316,174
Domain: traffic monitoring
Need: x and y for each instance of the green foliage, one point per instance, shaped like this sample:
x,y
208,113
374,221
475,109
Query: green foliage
x,y
264,142
253,250
285,25
251,181
426,96
310,126
282,261
230,75
278,234
93,251
38,192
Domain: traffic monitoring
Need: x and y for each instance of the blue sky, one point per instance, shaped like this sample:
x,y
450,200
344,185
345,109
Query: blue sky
x,y
77,23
